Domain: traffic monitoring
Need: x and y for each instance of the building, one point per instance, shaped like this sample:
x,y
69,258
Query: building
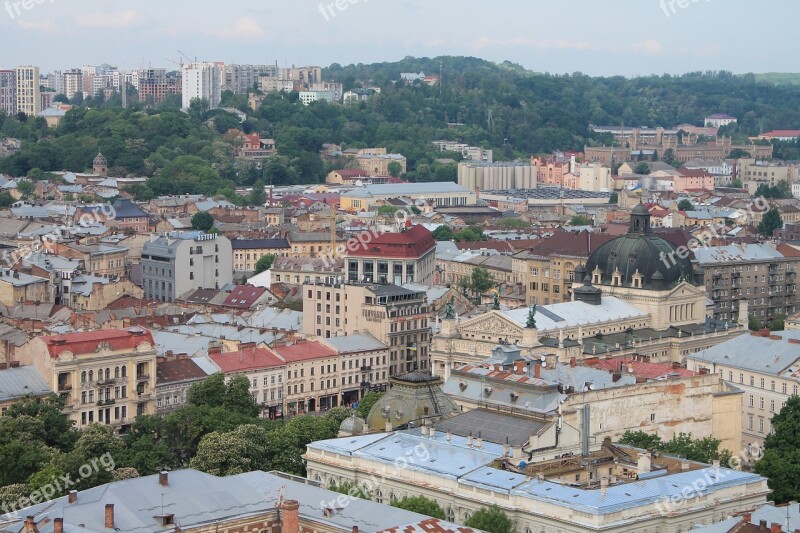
x,y
8,91
479,176
765,366
19,382
308,97
376,162
178,262
263,368
717,120
173,380
29,100
603,487
749,279
313,377
19,287
155,85
408,256
104,376
752,173
127,215
335,89
98,259
242,78
435,194
270,502
201,80
396,316
470,153
295,271
595,177
780,135
364,364
247,252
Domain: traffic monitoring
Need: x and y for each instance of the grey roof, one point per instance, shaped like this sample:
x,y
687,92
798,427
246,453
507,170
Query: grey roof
x,y
492,426
360,342
409,189
197,499
759,354
20,279
20,382
570,314
735,253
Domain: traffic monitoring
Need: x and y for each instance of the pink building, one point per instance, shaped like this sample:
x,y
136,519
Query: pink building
x,y
693,180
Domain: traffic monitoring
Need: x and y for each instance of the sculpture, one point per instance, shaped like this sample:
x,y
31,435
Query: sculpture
x,y
450,309
531,323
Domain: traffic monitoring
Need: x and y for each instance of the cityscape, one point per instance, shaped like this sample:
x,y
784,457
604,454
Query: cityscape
x,y
395,268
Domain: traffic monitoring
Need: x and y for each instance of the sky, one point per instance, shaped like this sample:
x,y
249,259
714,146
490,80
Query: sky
x,y
597,37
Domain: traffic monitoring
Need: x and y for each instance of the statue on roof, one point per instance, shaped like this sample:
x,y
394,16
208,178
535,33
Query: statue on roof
x,y
531,322
450,309
496,305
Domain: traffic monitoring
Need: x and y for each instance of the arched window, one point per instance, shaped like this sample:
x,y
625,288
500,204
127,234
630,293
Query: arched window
x,y
466,515
450,514
124,371
378,496
91,375
116,372
108,373
83,376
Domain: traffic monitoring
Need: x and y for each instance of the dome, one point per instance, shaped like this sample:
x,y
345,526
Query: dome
x,y
352,426
654,258
100,160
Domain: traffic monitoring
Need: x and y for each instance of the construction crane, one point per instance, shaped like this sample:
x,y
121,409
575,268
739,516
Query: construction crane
x,y
189,59
333,232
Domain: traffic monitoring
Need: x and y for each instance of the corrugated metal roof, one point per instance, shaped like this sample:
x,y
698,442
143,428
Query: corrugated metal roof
x,y
22,381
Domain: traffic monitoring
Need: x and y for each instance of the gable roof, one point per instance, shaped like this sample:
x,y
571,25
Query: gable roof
x,y
247,359
304,351
244,296
90,341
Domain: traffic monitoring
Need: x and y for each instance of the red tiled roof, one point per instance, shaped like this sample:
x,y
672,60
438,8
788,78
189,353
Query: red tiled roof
x,y
351,173
431,525
89,341
247,359
781,133
569,243
304,351
243,296
693,172
641,368
178,370
411,243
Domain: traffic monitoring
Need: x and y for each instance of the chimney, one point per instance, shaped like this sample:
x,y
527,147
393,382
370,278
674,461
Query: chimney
x,y
469,440
290,516
355,529
449,436
746,517
762,525
616,376
573,361
30,525
163,478
110,515
73,496
58,525
537,370
519,367
684,465
643,465
480,440
775,528
603,484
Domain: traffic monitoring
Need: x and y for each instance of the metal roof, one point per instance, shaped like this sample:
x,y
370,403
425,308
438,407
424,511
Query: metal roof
x,y
755,353
20,382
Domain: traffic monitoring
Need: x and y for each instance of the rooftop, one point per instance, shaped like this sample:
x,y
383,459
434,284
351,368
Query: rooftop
x,y
93,341
20,382
247,359
777,353
305,351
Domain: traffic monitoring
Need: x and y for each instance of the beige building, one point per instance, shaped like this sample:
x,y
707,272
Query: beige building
x,y
263,368
18,287
29,100
104,376
396,316
313,377
753,173
406,256
433,194
98,259
595,177
375,161
765,366
247,252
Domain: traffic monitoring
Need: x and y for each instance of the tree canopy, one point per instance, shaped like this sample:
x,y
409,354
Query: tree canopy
x,y
421,505
781,460
491,519
685,205
264,263
705,450
771,221
203,221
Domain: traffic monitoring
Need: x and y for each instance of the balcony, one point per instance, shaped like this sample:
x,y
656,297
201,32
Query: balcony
x,y
143,395
106,402
736,274
63,387
366,369
120,422
366,384
142,377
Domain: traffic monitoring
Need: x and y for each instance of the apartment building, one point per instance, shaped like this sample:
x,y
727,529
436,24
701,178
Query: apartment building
x,y
19,287
104,376
29,100
97,259
201,80
154,85
313,377
765,366
547,270
174,378
753,173
497,176
247,252
375,161
263,368
408,256
396,316
8,92
242,78
304,270
178,262
756,275
364,364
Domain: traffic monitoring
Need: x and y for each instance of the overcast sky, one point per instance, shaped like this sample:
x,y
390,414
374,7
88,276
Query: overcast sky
x,y
600,37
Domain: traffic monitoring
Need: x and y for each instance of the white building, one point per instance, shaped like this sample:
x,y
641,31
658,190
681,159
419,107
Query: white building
x,y
202,80
29,99
313,96
717,120
595,177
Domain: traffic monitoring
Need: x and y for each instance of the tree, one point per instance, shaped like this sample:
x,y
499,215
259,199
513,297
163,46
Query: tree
x,y
238,398
736,183
753,323
198,108
387,211
640,439
614,198
395,169
641,168
257,196
738,153
491,519
223,454
443,233
421,505
685,205
481,280
366,403
210,392
581,220
705,450
351,489
264,263
202,221
780,463
770,222
26,189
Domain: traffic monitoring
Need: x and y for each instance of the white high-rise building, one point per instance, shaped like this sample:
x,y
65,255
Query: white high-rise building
x,y
202,80
29,98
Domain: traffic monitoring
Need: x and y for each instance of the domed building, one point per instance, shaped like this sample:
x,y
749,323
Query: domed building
x,y
100,165
646,270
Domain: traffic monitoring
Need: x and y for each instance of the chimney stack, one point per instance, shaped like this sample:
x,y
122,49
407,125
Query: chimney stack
x,y
163,478
290,516
58,525
30,525
775,528
537,370
110,515
355,529
73,496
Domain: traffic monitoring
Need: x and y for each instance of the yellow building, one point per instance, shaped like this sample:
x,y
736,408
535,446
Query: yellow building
x,y
104,376
18,287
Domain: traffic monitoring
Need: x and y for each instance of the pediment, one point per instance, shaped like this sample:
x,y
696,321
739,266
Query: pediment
x,y
493,323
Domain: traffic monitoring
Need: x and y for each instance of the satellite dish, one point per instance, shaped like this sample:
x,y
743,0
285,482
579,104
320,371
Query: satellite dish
x,y
543,359
544,364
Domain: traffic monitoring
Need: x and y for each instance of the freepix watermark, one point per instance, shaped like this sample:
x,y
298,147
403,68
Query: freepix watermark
x,y
671,7
329,10
60,484
15,8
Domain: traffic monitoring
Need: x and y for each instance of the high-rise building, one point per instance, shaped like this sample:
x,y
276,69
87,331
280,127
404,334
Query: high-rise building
x,y
202,80
155,85
29,100
8,92
241,78
73,82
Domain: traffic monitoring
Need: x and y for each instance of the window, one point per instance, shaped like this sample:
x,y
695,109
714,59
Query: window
x,y
750,422
761,403
652,417
761,425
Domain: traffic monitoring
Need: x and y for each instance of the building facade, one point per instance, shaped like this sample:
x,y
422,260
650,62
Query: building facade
x,y
179,262
408,256
8,91
203,81
29,100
